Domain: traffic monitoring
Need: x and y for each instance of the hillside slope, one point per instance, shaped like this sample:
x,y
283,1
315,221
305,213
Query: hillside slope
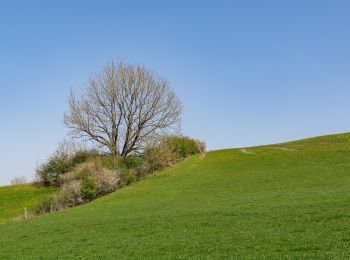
x,y
13,199
287,200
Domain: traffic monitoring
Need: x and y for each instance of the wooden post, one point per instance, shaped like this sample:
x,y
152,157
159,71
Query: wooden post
x,y
51,209
25,213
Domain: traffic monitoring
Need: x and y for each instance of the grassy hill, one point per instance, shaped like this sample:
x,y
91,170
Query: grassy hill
x,y
13,199
288,200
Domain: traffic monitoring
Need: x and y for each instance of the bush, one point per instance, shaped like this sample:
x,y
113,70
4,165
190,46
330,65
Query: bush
x,y
202,147
49,172
45,205
106,181
84,183
168,151
84,171
69,195
126,178
59,163
143,169
183,146
81,156
88,191
157,158
84,176
67,177
132,162
106,161
95,180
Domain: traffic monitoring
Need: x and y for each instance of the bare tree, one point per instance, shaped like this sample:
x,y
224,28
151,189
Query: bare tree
x,y
19,180
123,108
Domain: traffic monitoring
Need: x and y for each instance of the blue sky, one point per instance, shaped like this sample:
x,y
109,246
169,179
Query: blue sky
x,y
247,72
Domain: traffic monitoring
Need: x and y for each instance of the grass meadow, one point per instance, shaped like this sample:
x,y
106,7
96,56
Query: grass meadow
x,y
288,200
13,200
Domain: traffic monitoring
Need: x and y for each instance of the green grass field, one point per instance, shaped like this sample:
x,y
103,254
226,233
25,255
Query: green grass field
x,y
13,199
282,201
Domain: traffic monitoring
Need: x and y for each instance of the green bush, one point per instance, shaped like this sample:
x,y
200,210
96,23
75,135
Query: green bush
x,y
168,151
95,180
183,146
132,162
81,156
106,161
126,178
50,172
58,164
157,158
88,193
45,205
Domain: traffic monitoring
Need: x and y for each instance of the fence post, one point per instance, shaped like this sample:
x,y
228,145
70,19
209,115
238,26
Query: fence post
x,y
25,213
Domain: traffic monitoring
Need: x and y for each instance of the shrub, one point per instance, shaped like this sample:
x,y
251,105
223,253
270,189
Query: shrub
x,y
126,178
143,169
183,146
67,177
84,170
84,176
74,193
132,162
168,151
88,191
45,205
105,181
95,180
81,156
202,147
85,182
159,157
49,173
69,195
106,161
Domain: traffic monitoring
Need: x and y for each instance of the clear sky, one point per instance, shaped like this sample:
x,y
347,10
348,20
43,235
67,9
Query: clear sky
x,y
247,72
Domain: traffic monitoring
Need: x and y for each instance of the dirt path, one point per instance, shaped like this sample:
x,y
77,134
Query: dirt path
x,y
243,150
283,149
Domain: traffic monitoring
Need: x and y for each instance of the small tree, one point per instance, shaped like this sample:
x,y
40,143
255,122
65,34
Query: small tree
x,y
123,108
